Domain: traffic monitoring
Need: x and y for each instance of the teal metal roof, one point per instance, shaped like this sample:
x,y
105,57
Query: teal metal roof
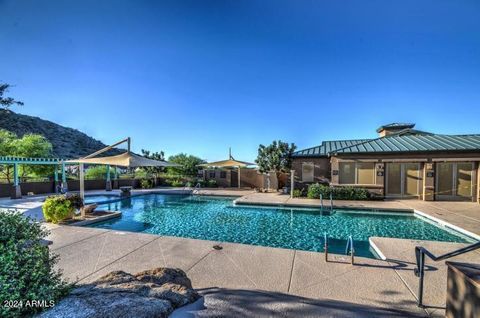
x,y
327,147
415,143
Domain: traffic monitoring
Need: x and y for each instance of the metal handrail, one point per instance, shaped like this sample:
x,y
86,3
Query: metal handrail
x,y
419,271
325,246
352,250
196,188
331,202
321,204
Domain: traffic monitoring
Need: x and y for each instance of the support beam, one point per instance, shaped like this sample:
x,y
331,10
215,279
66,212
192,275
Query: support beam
x,y
292,182
82,186
55,178
64,179
239,177
16,190
108,183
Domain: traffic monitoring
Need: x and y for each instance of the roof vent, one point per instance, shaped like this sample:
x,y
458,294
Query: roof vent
x,y
393,128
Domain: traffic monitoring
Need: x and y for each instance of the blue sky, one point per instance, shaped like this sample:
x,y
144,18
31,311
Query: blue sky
x,y
200,76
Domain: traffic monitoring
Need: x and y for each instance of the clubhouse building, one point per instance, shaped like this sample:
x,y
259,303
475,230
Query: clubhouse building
x,y
401,163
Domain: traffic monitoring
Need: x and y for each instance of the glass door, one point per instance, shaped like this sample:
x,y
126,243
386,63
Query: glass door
x,y
394,179
454,180
403,179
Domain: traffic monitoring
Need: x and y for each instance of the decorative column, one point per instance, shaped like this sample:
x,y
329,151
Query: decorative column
x,y
428,193
16,190
108,183
380,177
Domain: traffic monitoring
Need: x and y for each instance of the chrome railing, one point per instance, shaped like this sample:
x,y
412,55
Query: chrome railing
x,y
350,250
419,271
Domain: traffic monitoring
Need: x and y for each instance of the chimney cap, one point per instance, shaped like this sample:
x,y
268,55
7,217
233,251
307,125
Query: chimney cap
x,y
395,126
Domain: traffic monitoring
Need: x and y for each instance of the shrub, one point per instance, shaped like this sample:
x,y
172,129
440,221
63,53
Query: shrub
x,y
212,183
297,193
146,183
338,193
177,183
26,266
57,208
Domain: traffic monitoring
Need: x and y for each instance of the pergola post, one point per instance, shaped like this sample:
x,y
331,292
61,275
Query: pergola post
x,y
292,182
115,180
82,186
239,177
108,183
64,186
16,190
55,178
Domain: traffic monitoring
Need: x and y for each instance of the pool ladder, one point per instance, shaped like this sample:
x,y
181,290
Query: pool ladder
x,y
196,188
321,202
348,249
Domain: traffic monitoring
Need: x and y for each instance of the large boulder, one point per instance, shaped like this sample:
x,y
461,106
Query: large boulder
x,y
152,293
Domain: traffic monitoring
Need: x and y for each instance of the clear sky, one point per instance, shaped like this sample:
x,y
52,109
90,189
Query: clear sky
x,y
200,76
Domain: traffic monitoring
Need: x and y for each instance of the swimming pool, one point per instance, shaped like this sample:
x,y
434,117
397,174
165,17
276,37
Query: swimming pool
x,y
217,219
100,198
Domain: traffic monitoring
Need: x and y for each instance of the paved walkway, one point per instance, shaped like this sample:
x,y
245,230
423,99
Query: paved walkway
x,y
399,253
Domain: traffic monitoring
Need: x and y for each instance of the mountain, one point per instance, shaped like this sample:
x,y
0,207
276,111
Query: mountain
x,y
67,142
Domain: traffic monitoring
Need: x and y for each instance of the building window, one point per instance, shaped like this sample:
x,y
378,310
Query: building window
x,y
212,174
346,173
365,173
307,171
356,173
223,174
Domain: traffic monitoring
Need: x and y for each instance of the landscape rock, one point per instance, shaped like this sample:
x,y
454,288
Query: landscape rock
x,y
152,293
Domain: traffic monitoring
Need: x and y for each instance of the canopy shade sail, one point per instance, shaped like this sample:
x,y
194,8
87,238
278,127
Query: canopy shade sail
x,y
230,163
127,159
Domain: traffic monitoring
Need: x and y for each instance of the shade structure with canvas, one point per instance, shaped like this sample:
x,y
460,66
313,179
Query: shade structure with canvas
x,y
127,160
229,163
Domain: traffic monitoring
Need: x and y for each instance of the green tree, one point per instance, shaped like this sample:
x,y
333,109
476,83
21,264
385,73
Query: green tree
x,y
30,145
98,172
189,165
7,102
276,157
155,156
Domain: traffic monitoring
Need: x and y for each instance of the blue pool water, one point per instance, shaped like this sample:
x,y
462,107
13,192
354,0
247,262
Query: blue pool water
x,y
100,198
217,219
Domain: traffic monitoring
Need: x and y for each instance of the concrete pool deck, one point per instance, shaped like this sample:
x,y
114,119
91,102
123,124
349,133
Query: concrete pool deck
x,y
242,278
261,281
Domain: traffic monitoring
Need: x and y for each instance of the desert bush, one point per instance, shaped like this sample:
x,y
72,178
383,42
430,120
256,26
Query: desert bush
x,y
177,183
146,184
212,183
338,193
298,193
57,208
26,267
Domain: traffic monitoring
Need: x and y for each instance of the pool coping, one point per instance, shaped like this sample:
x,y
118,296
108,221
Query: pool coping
x,y
111,215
